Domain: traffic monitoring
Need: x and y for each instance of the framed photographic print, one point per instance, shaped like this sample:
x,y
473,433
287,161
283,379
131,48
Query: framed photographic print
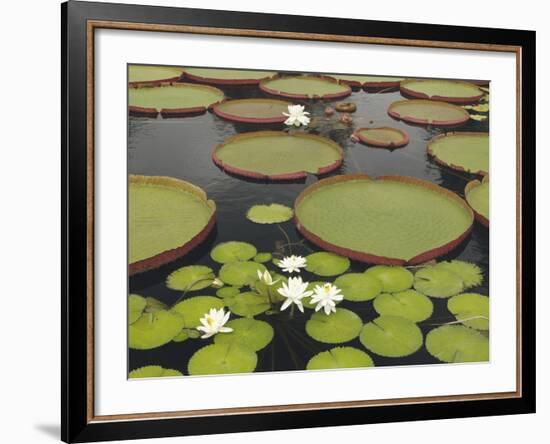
x,y
278,221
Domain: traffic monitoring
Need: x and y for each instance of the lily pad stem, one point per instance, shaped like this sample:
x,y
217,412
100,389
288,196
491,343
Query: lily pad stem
x,y
289,242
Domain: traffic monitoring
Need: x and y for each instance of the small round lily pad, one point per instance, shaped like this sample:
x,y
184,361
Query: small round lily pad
x,y
394,279
470,273
358,286
457,343
269,214
327,264
336,328
153,330
391,336
190,278
193,309
153,371
262,257
409,304
220,359
240,274
248,333
248,304
383,137
233,251
437,282
226,292
136,305
470,308
340,357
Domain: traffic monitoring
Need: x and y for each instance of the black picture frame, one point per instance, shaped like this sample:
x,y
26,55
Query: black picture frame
x,y
77,425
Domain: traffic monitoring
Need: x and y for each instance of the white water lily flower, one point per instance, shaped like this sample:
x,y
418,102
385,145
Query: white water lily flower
x,y
326,296
213,322
266,278
297,116
294,291
292,264
217,283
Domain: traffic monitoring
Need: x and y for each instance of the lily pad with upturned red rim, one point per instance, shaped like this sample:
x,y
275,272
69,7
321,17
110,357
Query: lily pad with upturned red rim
x,y
151,74
368,82
383,137
305,87
261,110
221,76
428,112
477,196
454,91
462,151
277,155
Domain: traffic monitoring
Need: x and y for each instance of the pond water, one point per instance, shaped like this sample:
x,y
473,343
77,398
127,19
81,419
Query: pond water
x,y
182,147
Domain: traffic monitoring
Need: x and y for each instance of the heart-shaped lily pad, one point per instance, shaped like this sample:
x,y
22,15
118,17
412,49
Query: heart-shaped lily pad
x,y
323,263
470,273
136,305
153,371
457,343
472,309
358,286
233,251
190,278
262,257
248,333
336,328
391,336
394,279
461,151
240,274
409,304
438,282
340,357
153,330
222,359
227,292
248,304
269,214
193,309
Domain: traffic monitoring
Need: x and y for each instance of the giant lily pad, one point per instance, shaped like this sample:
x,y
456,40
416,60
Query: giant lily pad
x,y
470,273
262,110
240,274
136,305
233,251
190,278
428,112
358,286
457,343
222,359
248,304
437,282
467,151
216,76
408,304
193,309
336,328
149,74
305,87
471,309
323,263
340,357
269,214
172,100
477,196
153,371
455,91
369,82
392,220
167,219
248,333
384,137
393,279
153,330
391,336
277,155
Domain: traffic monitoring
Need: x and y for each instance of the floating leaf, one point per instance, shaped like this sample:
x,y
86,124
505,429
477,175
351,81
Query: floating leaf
x,y
269,214
358,286
153,330
222,76
391,336
456,91
408,304
248,304
226,292
248,333
239,274
327,264
394,279
221,359
438,282
428,112
256,110
477,196
136,305
182,336
462,151
190,278
153,371
151,74
271,290
340,357
233,251
383,137
305,87
193,309
478,117
262,257
472,309
457,343
154,305
470,273
481,108
342,326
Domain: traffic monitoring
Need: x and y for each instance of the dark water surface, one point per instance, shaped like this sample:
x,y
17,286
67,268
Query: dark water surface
x,y
182,148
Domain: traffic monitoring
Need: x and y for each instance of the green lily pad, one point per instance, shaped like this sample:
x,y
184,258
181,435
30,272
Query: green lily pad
x,y
437,282
477,196
269,214
240,274
227,292
394,279
193,309
222,359
305,87
358,286
342,326
271,290
151,74
221,76
472,309
470,273
327,264
153,371
340,357
444,90
182,336
391,336
233,251
175,96
190,278
409,304
463,151
428,112
457,343
153,330
368,81
248,304
262,257
248,333
136,305
257,110
154,305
